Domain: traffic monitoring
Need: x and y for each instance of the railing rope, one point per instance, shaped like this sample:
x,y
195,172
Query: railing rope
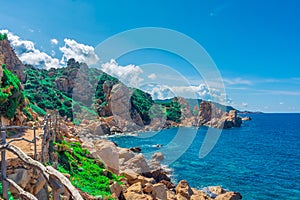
x,y
46,129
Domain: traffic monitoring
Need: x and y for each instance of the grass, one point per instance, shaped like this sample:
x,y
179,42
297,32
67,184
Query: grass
x,y
10,196
86,173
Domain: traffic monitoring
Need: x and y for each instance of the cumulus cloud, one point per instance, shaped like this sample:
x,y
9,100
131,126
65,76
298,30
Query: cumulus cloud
x,y
80,52
28,54
281,103
130,74
152,76
158,91
54,41
201,91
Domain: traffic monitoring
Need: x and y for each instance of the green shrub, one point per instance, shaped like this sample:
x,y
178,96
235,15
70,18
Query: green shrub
x,y
11,96
171,109
142,102
3,36
87,174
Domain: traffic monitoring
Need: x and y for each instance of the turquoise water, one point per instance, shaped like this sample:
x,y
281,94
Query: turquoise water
x,y
261,160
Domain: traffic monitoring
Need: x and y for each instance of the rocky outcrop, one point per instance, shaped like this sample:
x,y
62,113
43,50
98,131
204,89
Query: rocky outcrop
x,y
13,63
229,196
246,119
106,151
211,116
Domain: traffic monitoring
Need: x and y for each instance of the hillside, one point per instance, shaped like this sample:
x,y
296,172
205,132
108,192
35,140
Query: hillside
x,y
78,92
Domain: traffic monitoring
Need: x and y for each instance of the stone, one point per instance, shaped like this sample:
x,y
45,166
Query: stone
x,y
158,156
126,154
21,177
106,151
158,175
183,190
115,189
64,128
138,164
217,190
168,184
148,188
135,188
229,196
199,195
171,195
246,119
136,149
160,191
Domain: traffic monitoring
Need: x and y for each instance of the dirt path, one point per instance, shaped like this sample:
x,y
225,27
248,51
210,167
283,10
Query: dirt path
x,y
25,146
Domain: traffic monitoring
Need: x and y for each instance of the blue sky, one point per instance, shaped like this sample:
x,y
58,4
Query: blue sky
x,y
255,44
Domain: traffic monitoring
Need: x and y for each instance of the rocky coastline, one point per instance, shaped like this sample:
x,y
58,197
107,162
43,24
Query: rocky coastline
x,y
143,179
119,110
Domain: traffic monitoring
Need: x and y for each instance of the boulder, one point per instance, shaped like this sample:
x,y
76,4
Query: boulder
x,y
136,149
135,192
168,184
158,156
229,196
246,119
106,151
126,154
183,190
199,195
217,190
138,164
160,191
132,177
115,189
158,175
148,188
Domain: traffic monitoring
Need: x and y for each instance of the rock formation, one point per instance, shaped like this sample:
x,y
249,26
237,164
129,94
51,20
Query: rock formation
x,y
13,63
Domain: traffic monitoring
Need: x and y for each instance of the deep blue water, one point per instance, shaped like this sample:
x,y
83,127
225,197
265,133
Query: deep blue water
x,y
261,160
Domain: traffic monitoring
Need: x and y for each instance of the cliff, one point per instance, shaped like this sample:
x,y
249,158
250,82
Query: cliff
x,y
9,57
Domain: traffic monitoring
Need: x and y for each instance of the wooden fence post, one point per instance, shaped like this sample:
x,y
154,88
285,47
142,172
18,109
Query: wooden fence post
x,y
3,168
34,139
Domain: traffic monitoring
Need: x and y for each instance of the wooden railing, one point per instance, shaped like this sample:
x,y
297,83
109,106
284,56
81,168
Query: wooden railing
x,y
51,174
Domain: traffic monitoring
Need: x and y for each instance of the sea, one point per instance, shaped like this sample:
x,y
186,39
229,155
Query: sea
x,y
261,159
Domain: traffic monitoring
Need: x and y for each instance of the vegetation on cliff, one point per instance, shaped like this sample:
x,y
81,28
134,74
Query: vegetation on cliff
x,y
53,90
86,173
142,102
43,94
171,108
11,94
3,36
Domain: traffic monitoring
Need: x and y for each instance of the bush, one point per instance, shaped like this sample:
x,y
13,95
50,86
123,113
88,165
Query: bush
x,y
3,36
86,173
11,96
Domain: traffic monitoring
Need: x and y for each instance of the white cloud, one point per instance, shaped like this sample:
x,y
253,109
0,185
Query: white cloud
x,y
28,54
237,81
158,91
196,92
53,53
54,41
245,105
152,76
281,103
130,74
80,52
